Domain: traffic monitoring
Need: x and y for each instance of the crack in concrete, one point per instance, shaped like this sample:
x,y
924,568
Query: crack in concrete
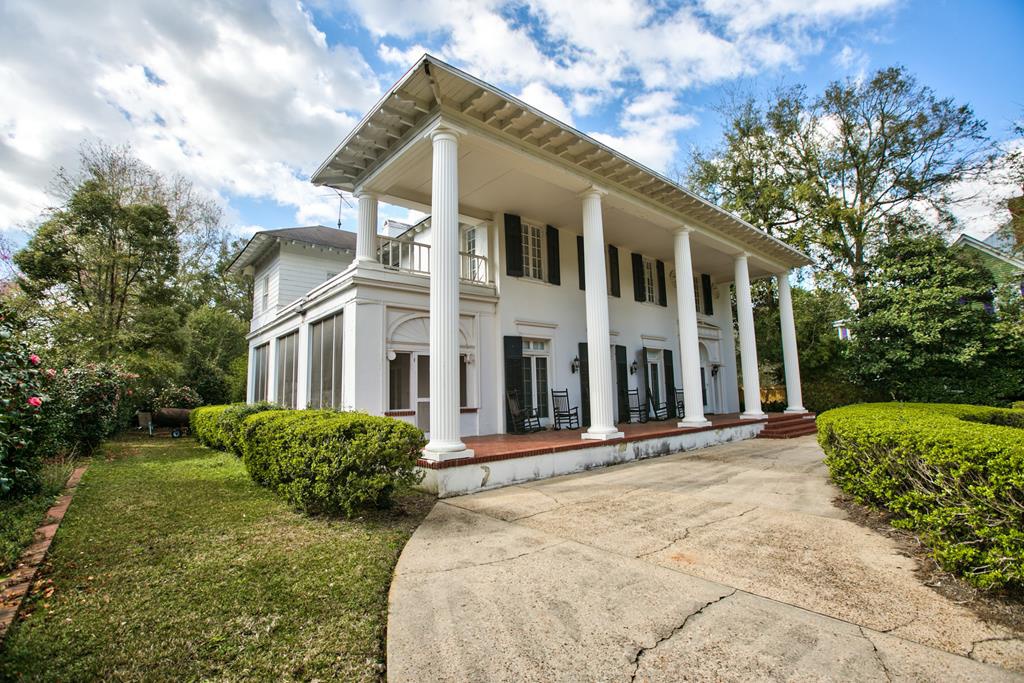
x,y
484,564
878,655
976,643
644,650
686,532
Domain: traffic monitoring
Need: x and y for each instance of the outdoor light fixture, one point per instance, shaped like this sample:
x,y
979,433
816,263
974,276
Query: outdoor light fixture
x,y
575,365
715,367
632,368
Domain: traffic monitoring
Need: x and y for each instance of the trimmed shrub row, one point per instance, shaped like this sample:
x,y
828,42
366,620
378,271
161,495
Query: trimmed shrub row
x,y
953,473
321,461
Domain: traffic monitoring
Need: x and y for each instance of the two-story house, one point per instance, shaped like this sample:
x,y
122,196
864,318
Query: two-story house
x,y
548,262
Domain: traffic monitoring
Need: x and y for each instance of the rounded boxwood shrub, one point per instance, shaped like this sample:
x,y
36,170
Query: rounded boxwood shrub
x,y
204,423
229,422
324,461
953,473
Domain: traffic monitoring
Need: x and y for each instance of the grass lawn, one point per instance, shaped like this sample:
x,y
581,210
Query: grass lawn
x,y
172,565
19,519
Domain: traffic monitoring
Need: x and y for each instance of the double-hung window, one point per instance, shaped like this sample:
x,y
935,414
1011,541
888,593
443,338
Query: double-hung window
x,y
533,251
650,281
266,294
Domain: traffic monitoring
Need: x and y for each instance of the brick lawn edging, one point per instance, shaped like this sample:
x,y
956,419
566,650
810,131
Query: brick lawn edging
x,y
16,588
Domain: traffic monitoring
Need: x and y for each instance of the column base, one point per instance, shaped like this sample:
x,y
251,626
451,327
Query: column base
x,y
440,456
753,416
798,409
689,424
602,435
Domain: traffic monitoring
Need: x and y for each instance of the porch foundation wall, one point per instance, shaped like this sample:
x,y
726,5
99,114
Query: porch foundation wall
x,y
471,477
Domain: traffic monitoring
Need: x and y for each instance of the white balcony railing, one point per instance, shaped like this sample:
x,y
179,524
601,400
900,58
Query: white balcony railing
x,y
414,257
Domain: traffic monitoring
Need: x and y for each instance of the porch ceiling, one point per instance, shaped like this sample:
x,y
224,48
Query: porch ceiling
x,y
516,159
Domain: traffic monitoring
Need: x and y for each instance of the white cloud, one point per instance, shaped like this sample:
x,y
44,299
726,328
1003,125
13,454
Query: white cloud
x,y
649,125
547,100
245,99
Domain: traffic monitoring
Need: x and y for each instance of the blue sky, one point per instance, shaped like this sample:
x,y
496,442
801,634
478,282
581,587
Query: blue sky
x,y
246,99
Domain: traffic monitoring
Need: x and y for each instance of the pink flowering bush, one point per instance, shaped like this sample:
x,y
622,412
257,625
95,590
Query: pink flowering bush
x,y
22,397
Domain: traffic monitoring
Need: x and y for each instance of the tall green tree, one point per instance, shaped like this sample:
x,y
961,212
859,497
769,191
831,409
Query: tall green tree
x,y
842,173
100,267
928,328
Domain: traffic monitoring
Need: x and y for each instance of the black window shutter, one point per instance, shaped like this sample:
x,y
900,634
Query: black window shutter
x,y
513,245
662,292
622,380
584,385
613,270
670,383
705,287
579,254
513,374
638,278
554,264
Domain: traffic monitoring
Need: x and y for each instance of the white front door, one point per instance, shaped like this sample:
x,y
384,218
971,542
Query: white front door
x,y
536,392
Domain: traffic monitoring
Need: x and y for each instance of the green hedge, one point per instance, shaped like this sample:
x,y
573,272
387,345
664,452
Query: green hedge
x,y
230,423
953,473
219,427
333,462
205,425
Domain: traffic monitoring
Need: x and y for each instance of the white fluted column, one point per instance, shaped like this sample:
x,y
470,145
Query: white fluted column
x,y
748,344
689,348
366,235
790,358
602,417
445,441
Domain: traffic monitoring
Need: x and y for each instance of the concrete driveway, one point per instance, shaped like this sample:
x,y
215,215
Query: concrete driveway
x,y
729,563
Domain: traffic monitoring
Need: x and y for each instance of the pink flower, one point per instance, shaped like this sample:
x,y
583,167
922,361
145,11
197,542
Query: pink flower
x,y
35,401
34,359
51,373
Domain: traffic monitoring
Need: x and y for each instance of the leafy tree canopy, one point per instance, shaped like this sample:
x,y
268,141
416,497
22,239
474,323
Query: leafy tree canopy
x,y
841,174
927,328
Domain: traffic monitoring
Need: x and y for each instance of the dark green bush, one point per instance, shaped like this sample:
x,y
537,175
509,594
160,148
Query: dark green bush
x,y
229,422
331,462
205,425
953,473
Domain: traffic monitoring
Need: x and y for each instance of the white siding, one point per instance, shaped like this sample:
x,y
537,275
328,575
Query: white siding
x,y
303,267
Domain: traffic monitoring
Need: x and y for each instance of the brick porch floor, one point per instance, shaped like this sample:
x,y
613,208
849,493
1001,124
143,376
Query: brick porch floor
x,y
507,446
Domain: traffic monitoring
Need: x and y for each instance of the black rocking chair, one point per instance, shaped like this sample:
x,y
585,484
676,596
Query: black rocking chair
x,y
524,420
637,410
565,416
677,397
658,411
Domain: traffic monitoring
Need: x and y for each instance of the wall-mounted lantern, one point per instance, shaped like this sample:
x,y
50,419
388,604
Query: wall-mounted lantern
x,y
633,368
715,367
575,367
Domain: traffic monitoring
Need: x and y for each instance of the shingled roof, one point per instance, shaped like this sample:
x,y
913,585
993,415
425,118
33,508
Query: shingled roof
x,y
319,235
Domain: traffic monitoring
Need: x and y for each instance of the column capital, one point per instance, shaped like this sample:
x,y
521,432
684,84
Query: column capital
x,y
592,191
443,130
683,230
742,256
360,193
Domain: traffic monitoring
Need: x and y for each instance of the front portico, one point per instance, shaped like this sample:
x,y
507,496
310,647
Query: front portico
x,y
573,268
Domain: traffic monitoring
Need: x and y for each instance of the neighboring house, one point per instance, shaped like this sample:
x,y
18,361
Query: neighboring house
x,y
994,253
548,261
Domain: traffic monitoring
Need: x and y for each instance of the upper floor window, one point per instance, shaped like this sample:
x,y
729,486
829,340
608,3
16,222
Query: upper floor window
x,y
650,281
533,251
265,295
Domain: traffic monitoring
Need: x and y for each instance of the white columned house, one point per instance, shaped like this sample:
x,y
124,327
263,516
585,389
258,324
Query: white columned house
x,y
748,343
689,344
602,418
444,298
790,357
550,269
366,238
